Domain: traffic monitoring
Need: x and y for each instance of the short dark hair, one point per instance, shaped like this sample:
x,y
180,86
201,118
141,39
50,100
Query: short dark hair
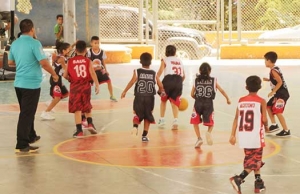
x,y
26,25
272,56
80,46
59,16
94,38
170,50
253,83
145,59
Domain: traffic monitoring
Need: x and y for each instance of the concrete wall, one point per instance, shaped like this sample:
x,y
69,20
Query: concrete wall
x,y
43,15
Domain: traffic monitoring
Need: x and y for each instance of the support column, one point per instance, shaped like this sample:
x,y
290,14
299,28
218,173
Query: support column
x,y
69,24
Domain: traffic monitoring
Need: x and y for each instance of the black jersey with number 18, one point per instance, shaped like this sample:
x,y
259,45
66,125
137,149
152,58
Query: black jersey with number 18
x,y
145,85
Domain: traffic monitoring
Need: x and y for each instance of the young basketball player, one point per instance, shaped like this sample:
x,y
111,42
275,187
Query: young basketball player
x,y
58,90
204,92
279,95
174,75
144,92
251,122
97,55
80,72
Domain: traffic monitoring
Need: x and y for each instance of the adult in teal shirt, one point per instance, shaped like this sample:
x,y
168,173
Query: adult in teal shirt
x,y
28,56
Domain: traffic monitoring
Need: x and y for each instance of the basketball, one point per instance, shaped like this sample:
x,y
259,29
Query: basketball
x,y
183,104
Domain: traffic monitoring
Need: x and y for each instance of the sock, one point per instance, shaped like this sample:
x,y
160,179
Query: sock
x,y
162,118
274,123
244,174
83,117
145,133
257,176
175,119
89,120
78,127
135,125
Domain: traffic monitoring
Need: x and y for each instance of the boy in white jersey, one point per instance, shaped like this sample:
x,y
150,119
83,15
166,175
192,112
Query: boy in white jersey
x,y
251,122
172,83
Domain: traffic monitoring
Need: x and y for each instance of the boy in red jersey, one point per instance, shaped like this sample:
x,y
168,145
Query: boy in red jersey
x,y
250,120
80,72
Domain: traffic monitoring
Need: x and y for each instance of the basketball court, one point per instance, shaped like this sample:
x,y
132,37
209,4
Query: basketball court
x,y
114,161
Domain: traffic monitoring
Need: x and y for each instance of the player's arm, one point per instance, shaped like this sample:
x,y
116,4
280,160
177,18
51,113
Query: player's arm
x,y
183,75
232,139
264,114
47,67
161,69
278,79
193,92
66,74
60,31
130,84
62,62
159,84
223,93
11,63
94,77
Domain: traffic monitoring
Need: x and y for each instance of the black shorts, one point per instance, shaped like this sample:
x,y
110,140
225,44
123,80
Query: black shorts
x,y
57,89
102,77
143,107
172,86
204,109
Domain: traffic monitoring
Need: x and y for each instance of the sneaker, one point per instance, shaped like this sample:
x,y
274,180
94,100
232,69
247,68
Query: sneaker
x,y
134,131
236,182
145,139
198,143
29,149
208,138
78,134
34,140
175,125
161,122
112,98
91,128
259,186
84,123
46,116
273,128
284,133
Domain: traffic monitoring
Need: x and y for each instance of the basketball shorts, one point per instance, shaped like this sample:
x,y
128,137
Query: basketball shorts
x,y
102,76
80,97
276,104
143,107
59,91
253,158
203,112
173,88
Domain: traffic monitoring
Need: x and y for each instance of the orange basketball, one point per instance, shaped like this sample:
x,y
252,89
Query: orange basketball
x,y
183,104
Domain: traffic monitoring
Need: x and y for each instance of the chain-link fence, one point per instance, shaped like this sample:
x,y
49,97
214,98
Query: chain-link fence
x,y
180,23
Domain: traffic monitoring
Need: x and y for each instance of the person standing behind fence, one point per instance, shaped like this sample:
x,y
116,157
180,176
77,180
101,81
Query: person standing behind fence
x,y
28,56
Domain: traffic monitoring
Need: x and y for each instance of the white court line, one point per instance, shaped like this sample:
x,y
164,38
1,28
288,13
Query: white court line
x,y
180,182
289,158
107,125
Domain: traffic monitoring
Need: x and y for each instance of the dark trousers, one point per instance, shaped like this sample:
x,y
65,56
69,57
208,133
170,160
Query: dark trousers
x,y
28,101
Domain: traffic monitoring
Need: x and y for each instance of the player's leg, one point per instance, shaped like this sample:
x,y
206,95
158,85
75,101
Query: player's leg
x,y
87,108
145,131
90,125
273,127
174,96
195,121
208,120
79,132
138,104
111,93
278,110
46,115
175,111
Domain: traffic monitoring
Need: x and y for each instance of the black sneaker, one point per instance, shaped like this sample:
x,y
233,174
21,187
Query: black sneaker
x,y
29,149
78,134
273,128
145,139
236,182
34,140
259,186
284,133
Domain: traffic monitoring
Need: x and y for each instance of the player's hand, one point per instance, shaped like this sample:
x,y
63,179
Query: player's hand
x,y
228,101
232,140
271,94
123,95
55,78
266,79
97,89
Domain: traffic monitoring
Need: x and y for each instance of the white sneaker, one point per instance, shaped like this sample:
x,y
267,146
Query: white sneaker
x,y
134,131
208,138
161,122
198,143
46,116
175,125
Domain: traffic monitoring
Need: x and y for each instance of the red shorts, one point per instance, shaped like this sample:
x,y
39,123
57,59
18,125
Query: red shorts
x,y
80,97
60,92
277,105
253,158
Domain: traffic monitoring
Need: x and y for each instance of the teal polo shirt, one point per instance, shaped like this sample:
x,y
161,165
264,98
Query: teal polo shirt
x,y
27,52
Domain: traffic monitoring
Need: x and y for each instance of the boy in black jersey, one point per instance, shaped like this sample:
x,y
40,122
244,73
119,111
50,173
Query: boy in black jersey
x,y
279,95
97,56
144,92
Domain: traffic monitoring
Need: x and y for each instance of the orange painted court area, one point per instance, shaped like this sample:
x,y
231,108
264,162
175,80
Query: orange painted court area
x,y
166,148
